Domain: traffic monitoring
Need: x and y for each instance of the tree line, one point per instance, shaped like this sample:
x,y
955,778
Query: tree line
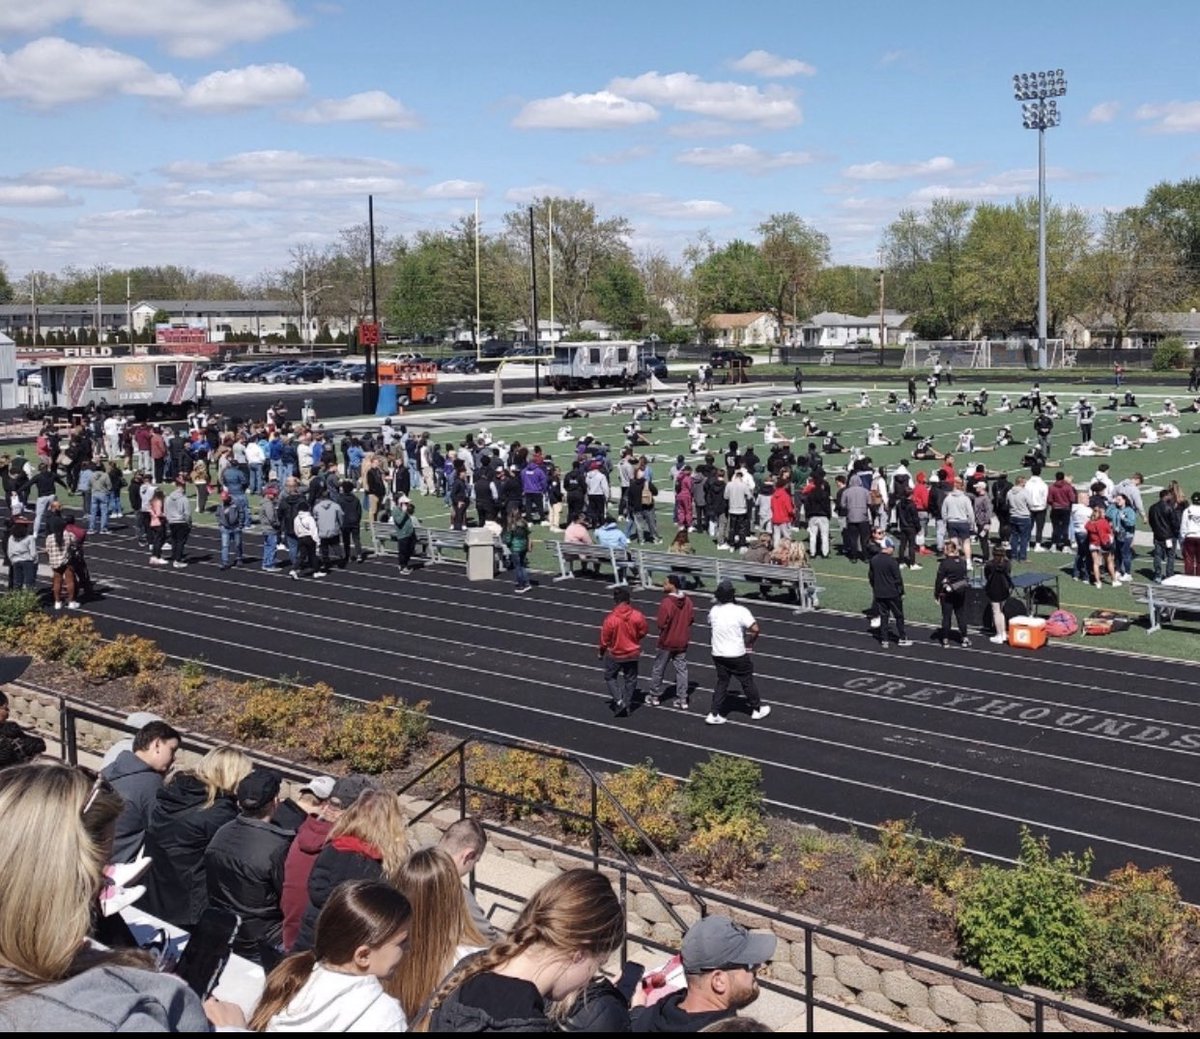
x,y
960,269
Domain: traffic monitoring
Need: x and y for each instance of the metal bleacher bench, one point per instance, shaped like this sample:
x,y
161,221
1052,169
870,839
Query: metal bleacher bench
x,y
643,564
1164,600
432,542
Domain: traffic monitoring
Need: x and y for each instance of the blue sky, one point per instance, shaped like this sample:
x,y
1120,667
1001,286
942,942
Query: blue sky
x,y
222,133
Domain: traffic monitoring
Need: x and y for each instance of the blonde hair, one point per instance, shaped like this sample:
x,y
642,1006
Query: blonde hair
x,y
577,911
440,924
790,553
220,770
54,843
376,817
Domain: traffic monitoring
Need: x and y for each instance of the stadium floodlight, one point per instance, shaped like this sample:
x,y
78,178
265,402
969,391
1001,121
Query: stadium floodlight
x,y
1039,111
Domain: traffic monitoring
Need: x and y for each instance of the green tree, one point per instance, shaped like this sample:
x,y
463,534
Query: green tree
x,y
1174,209
620,295
732,280
6,289
793,254
923,254
846,290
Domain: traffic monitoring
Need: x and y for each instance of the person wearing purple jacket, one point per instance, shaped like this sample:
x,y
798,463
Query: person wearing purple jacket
x,y
534,482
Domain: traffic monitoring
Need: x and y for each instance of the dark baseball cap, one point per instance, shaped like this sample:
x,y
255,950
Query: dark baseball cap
x,y
258,789
716,942
348,789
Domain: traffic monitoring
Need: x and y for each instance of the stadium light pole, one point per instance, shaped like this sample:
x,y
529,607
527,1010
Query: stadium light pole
x,y
1039,111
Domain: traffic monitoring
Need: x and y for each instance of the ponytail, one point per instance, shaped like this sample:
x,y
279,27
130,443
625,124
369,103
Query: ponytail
x,y
287,979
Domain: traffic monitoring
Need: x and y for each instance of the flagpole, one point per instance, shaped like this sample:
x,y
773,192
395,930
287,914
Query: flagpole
x,y
478,355
550,242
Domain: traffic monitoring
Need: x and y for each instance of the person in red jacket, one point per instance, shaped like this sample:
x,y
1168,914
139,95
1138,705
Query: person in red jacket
x,y
783,512
621,637
675,616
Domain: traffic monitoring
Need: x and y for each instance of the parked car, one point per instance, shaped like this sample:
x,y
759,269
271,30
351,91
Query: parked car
x,y
722,358
217,372
654,365
458,365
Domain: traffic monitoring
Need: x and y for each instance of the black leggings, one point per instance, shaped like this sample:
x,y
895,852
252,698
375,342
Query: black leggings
x,y
956,605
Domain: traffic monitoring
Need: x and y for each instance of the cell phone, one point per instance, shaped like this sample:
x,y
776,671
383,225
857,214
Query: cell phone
x,y
627,983
208,950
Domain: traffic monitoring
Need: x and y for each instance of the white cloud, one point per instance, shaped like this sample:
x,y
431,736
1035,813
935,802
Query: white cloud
x,y
1006,184
1105,112
688,209
456,189
526,193
250,87
772,66
631,154
600,111
891,57
773,106
1173,117
52,71
186,28
34,195
698,128
280,165
371,106
76,177
742,157
938,165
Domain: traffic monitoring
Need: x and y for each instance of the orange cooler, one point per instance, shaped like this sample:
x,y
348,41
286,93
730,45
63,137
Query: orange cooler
x,y
1027,632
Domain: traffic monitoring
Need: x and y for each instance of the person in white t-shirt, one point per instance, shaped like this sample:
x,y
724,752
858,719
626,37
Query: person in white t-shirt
x,y
734,630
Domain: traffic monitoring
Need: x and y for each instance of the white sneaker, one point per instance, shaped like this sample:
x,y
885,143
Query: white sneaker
x,y
179,565
73,605
1038,548
715,719
114,899
915,566
998,639
58,606
761,713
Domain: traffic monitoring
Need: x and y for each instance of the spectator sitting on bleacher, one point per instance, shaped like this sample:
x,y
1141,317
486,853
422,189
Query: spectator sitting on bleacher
x,y
53,847
244,866
137,776
464,842
369,842
442,933
310,839
721,961
135,721
337,987
187,813
562,935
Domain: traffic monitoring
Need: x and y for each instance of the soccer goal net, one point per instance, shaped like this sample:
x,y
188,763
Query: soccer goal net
x,y
984,353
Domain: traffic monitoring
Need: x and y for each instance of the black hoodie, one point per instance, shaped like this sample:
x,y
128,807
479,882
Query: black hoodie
x,y
666,1016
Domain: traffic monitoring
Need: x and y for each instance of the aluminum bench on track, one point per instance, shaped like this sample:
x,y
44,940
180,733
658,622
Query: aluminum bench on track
x,y
1163,600
800,581
432,542
568,552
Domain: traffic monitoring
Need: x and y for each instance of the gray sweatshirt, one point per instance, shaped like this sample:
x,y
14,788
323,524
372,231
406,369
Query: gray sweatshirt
x,y
957,508
23,550
177,509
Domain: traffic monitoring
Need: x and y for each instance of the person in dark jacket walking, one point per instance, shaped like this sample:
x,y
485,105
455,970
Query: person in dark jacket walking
x,y
1164,528
244,866
887,587
675,617
187,813
137,775
620,647
950,589
351,523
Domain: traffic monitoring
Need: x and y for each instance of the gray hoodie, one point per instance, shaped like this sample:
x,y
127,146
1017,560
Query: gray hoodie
x,y
177,509
328,515
138,785
106,999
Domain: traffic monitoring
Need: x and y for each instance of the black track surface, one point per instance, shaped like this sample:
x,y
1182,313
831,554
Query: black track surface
x,y
1094,749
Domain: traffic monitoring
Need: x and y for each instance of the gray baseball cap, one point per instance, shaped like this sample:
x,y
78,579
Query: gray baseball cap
x,y
716,942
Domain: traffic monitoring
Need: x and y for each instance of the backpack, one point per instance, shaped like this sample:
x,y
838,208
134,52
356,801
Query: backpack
x,y
1104,622
1062,624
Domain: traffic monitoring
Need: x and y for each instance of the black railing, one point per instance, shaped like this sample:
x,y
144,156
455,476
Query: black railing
x,y
73,710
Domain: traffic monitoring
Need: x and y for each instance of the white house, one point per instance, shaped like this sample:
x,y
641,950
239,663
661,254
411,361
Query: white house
x,y
220,317
756,328
831,329
548,331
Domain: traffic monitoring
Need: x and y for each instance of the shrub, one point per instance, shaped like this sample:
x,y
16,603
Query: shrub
x,y
379,737
69,639
1144,960
297,717
192,675
727,848
522,774
650,799
125,655
722,789
1170,354
1028,924
17,607
903,855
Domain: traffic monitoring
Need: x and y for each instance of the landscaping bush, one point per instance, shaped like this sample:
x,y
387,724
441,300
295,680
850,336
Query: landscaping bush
x,y
722,789
650,798
727,848
1170,354
1144,958
520,773
70,640
16,608
379,737
125,655
297,717
904,855
1028,924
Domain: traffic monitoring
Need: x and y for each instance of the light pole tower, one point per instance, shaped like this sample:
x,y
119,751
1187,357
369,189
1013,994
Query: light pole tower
x,y
1039,111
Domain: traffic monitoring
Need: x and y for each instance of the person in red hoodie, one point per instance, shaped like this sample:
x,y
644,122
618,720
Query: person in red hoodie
x,y
1060,496
620,647
675,617
783,512
920,497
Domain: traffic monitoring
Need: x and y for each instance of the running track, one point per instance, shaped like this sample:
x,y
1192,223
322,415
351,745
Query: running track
x,y
1094,749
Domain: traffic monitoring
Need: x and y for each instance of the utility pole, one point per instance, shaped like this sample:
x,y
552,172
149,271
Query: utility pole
x,y
882,321
98,306
33,303
537,369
